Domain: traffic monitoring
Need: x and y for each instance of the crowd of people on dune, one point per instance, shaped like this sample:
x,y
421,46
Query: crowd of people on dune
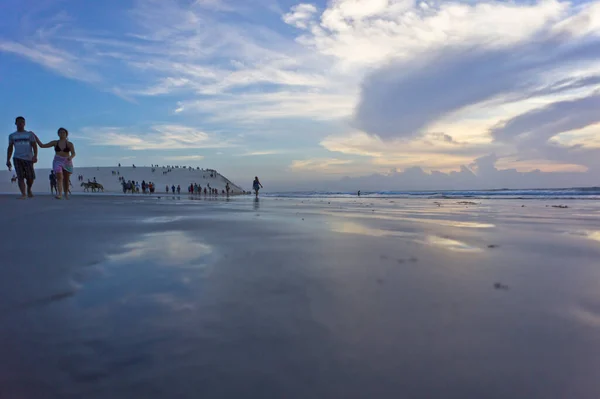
x,y
134,187
196,189
23,148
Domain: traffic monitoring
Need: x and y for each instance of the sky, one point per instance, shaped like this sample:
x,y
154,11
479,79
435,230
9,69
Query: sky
x,y
344,94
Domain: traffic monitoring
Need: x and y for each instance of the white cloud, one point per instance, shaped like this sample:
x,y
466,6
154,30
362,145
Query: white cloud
x,y
216,5
185,158
278,105
158,137
260,153
586,21
60,61
165,86
300,15
368,33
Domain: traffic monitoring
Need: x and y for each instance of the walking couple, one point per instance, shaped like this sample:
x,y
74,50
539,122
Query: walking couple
x,y
25,144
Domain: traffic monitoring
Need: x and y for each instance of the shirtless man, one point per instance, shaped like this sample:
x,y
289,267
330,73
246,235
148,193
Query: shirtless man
x,y
25,148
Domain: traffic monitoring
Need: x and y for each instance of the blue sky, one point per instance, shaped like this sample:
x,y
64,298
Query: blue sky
x,y
312,92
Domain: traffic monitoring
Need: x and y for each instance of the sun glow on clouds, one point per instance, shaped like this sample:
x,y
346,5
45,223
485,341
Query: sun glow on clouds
x,y
260,153
434,84
330,164
437,151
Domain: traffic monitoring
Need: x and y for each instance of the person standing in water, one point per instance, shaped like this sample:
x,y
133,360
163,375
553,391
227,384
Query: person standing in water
x,y
62,165
256,185
23,143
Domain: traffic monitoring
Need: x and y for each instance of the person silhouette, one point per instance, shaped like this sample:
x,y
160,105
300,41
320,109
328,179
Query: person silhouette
x,y
256,185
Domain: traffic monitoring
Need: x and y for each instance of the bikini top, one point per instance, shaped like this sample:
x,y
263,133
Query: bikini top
x,y
58,149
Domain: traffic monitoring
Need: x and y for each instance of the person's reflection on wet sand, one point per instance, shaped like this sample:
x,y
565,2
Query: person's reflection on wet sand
x,y
256,204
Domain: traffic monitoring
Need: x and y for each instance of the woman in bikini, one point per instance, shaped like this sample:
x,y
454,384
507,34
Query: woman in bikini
x,y
63,160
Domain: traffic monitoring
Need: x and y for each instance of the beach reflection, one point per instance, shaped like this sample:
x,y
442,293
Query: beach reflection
x,y
585,316
589,234
452,245
165,248
447,243
162,219
355,228
385,215
473,225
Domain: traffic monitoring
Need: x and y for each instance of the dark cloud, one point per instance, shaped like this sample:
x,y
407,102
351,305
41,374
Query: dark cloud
x,y
444,137
531,131
485,165
565,85
575,154
539,125
401,98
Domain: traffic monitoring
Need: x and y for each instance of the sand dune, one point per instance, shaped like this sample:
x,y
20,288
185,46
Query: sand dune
x,y
104,175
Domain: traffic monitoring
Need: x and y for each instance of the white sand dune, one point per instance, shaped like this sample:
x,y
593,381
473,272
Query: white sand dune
x,y
104,175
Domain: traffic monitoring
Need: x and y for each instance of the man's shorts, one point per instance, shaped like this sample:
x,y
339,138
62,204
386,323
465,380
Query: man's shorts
x,y
24,169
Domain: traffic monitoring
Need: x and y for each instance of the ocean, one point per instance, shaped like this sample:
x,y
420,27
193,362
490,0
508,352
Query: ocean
x,y
590,193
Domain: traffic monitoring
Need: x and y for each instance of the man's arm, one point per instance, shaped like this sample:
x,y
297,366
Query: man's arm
x,y
35,151
9,153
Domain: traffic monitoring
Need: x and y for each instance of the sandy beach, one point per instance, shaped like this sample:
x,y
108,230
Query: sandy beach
x,y
147,297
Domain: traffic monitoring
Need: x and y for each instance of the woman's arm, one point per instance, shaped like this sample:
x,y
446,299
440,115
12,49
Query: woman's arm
x,y
47,145
72,151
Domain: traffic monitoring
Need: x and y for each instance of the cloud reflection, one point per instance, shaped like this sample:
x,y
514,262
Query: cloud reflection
x,y
162,219
356,228
452,245
386,215
165,248
593,235
447,243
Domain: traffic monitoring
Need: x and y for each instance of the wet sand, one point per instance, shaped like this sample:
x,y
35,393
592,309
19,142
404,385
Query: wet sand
x,y
110,297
